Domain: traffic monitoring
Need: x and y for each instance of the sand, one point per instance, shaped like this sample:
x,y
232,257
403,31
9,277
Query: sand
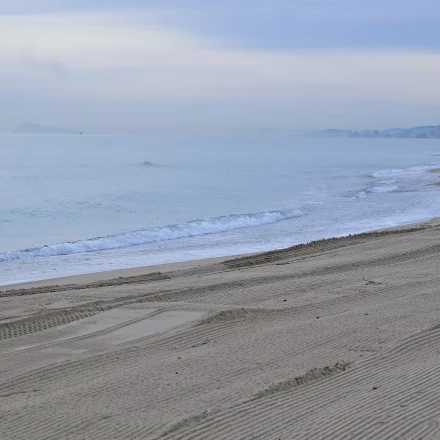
x,y
338,339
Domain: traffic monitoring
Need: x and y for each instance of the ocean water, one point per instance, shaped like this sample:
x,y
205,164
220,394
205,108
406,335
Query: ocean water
x,y
80,204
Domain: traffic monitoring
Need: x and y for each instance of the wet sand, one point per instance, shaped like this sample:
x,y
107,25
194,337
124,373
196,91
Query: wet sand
x,y
336,339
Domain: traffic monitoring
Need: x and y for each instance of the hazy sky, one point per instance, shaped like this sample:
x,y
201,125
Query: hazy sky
x,y
132,65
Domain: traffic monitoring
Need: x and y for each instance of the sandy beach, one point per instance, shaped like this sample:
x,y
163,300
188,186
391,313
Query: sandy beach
x,y
336,339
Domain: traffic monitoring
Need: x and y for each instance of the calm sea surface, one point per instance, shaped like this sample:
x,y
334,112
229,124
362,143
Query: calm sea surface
x,y
79,204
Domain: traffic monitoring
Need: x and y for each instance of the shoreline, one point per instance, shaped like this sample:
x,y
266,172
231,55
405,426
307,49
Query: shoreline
x,y
189,265
334,338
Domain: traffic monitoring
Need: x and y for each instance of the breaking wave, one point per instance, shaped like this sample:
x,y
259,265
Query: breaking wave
x,y
192,228
395,180
379,189
384,173
397,171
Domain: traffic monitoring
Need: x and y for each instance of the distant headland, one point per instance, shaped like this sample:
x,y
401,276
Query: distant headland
x,y
423,132
31,128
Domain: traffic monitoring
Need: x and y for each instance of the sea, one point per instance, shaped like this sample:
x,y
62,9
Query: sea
x,y
75,204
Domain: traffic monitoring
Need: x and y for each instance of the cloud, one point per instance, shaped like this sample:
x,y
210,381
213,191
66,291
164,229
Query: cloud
x,y
114,56
44,65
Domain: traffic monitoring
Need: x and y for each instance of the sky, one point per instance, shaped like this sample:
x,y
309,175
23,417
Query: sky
x,y
132,66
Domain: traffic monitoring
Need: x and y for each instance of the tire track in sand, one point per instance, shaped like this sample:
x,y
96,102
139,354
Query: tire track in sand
x,y
371,400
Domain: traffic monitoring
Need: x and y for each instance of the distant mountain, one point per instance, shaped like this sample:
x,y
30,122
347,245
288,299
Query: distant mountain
x,y
422,129
331,132
31,128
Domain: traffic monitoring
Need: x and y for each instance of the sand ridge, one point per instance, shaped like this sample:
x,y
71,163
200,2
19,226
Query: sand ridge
x,y
337,339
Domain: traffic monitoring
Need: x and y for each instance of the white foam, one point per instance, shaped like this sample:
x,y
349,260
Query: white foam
x,y
422,167
383,186
189,229
397,171
382,173
384,189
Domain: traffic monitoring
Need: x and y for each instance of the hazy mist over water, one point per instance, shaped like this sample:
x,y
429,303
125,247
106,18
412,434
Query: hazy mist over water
x,y
77,204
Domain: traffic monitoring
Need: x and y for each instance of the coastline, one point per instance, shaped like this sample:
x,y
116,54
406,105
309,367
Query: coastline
x,y
93,277
199,264
331,338
24,268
